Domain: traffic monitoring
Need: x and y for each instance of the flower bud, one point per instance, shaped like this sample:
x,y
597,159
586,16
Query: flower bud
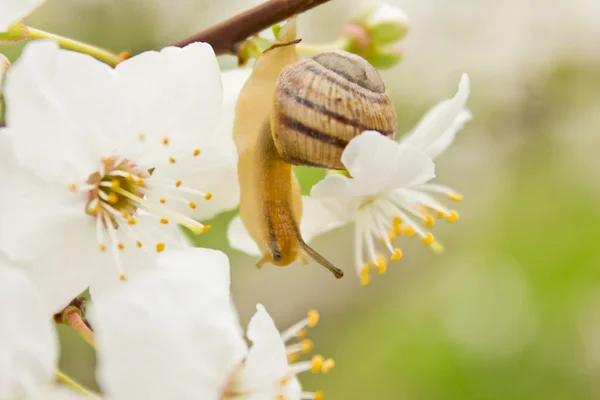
x,y
386,24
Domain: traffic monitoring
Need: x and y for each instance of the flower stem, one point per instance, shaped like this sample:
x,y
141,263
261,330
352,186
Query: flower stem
x,y
74,320
339,44
73,384
80,47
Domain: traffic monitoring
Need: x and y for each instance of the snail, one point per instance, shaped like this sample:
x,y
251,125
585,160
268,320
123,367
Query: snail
x,y
319,105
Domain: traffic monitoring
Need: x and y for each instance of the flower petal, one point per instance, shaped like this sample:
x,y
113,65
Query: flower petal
x,y
437,129
173,326
28,342
177,94
266,363
14,10
78,106
240,239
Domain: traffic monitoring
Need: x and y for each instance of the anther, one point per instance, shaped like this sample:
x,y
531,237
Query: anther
x,y
313,318
428,238
455,196
141,136
125,214
206,228
162,201
115,183
160,247
302,333
409,231
196,152
178,183
428,221
319,395
440,214
364,275
72,187
138,244
172,160
397,254
112,198
139,182
102,247
164,221
307,345
131,221
208,196
327,366
452,217
122,277
292,358
165,141
120,246
192,205
316,363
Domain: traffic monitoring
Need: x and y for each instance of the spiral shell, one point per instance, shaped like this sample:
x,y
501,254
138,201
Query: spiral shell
x,y
321,103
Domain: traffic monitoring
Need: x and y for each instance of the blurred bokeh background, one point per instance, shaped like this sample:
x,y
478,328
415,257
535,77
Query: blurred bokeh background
x,y
511,310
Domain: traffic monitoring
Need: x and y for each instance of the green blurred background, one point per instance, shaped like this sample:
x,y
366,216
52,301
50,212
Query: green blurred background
x,y
511,310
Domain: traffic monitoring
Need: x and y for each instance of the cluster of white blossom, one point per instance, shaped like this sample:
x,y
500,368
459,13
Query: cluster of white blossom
x,y
102,169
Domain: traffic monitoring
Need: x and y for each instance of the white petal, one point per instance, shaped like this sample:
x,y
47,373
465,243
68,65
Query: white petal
x,y
413,168
233,81
385,13
56,392
28,342
320,216
173,327
177,94
78,108
436,130
14,10
293,389
240,239
266,363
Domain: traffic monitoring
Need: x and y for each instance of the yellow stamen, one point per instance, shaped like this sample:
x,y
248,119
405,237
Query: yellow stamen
x,y
72,187
440,214
164,221
206,228
408,231
364,275
428,238
307,345
208,196
319,395
139,244
160,247
397,220
115,183
317,363
102,247
428,221
120,246
302,333
122,277
125,214
139,182
452,217
162,201
141,136
178,183
327,366
165,141
131,221
196,152
172,160
313,318
455,197
292,358
192,205
112,198
397,254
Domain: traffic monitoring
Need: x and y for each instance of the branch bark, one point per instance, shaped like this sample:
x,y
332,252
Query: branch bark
x,y
225,36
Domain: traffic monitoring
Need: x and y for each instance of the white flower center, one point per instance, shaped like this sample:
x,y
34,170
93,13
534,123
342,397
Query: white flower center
x,y
117,197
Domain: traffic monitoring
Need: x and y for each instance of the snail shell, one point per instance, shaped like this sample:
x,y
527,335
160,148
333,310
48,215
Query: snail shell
x,y
321,103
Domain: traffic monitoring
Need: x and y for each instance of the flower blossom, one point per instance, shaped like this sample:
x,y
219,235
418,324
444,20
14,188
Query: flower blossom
x,y
14,10
176,327
387,193
101,165
28,342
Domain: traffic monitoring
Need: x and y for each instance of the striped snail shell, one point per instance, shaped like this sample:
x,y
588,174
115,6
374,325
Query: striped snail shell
x,y
321,103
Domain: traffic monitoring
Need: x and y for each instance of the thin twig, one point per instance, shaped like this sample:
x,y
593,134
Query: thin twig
x,y
225,36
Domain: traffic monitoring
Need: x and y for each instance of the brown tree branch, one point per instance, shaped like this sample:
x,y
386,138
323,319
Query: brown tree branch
x,y
225,36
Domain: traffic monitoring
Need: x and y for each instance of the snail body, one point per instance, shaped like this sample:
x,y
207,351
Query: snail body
x,y
319,105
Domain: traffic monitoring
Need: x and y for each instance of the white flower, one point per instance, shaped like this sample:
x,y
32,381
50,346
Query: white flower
x,y
99,165
176,327
28,342
388,194
14,10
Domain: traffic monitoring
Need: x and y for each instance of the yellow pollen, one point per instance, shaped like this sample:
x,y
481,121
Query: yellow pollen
x,y
160,247
196,152
72,187
131,221
164,221
319,395
178,183
139,244
452,217
307,345
172,160
364,275
139,182
397,254
115,183
125,214
382,267
327,366
206,228
317,363
102,247
391,235
440,214
397,220
428,221
162,201
112,198
313,318
121,246
302,333
95,209
208,196
129,177
292,358
122,277
141,136
455,197
428,238
192,205
410,232
437,247
165,141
